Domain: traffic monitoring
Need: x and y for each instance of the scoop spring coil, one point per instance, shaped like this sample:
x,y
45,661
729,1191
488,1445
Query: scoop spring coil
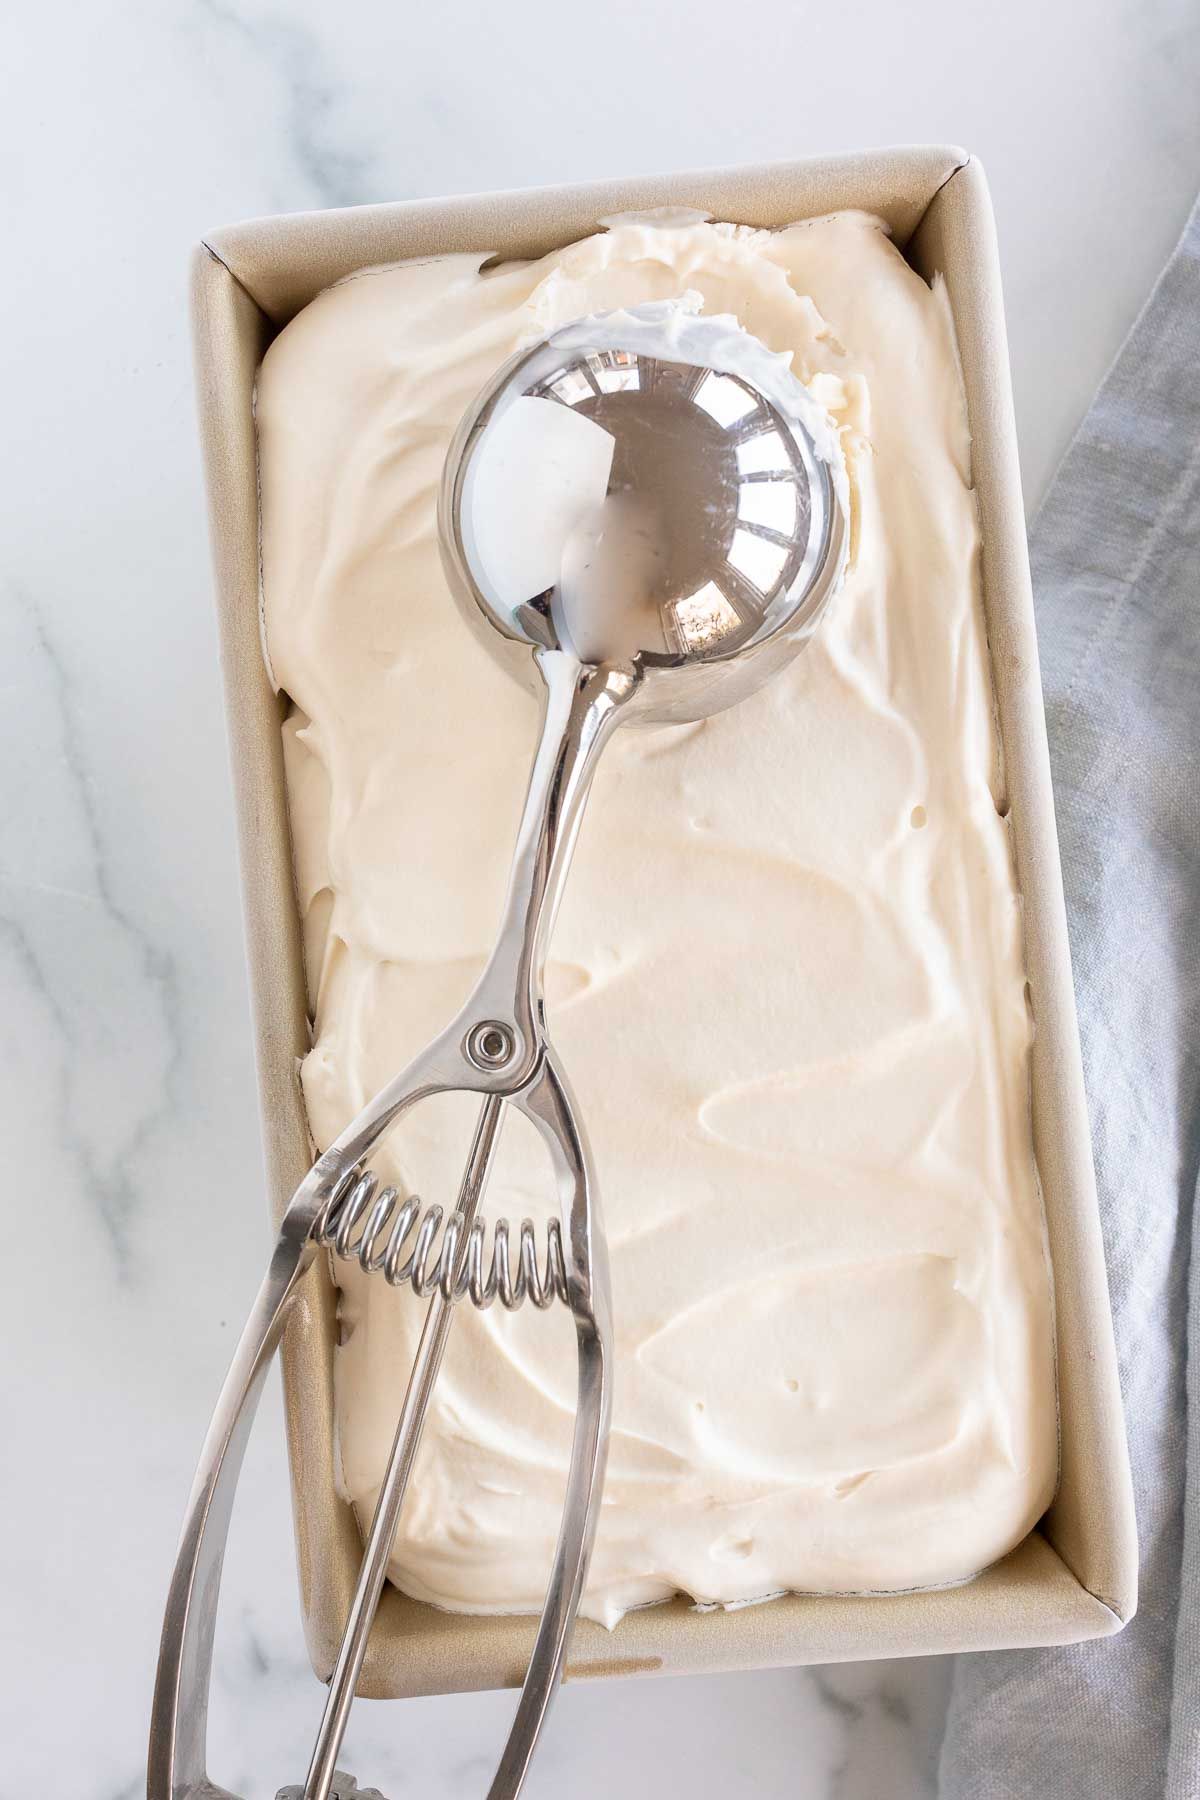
x,y
417,1245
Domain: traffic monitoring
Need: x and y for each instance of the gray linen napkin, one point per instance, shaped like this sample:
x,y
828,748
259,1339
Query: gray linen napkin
x,y
1116,574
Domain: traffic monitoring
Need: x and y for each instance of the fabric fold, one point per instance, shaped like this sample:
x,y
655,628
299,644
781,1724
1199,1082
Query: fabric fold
x,y
1116,572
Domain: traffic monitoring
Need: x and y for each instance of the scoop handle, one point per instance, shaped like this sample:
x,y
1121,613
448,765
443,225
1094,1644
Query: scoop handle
x,y
496,1047
583,705
175,1768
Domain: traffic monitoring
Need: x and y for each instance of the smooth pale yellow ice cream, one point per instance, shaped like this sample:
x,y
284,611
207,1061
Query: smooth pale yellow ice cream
x,y
787,978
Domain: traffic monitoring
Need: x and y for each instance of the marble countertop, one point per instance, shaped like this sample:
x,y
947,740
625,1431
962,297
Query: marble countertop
x,y
127,1081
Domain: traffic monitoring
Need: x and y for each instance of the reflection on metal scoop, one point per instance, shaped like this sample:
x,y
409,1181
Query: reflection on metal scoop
x,y
652,488
644,516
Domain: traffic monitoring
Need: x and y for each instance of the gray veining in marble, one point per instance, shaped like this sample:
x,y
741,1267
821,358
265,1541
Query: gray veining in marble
x,y
126,1086
323,139
115,1046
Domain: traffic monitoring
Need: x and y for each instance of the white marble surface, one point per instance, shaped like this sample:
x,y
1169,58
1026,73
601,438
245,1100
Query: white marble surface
x,y
126,1091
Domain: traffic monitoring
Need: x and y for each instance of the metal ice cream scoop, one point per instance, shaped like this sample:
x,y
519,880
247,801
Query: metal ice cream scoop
x,y
644,517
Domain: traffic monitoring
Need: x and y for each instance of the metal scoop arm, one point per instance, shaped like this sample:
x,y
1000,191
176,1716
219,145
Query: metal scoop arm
x,y
496,1047
176,1767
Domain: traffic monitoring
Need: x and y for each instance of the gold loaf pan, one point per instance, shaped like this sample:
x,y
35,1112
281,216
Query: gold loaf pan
x,y
1075,1576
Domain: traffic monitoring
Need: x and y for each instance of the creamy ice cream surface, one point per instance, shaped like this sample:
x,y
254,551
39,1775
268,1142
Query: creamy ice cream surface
x,y
787,977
